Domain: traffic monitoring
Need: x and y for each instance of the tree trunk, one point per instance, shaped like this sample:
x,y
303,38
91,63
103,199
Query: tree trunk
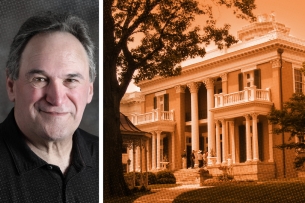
x,y
113,179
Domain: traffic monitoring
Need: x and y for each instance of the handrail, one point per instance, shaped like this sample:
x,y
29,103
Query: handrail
x,y
249,94
152,116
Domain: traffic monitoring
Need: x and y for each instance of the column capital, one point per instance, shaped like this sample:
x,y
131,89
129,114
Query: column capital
x,y
224,77
194,86
209,83
247,116
254,115
276,63
216,122
158,132
180,88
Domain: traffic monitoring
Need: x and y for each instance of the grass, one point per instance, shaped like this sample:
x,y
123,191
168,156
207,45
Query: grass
x,y
285,190
271,191
133,197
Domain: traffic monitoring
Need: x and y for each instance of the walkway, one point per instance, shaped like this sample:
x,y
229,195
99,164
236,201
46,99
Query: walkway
x,y
167,195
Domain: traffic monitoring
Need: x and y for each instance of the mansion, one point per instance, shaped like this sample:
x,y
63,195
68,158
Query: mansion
x,y
220,105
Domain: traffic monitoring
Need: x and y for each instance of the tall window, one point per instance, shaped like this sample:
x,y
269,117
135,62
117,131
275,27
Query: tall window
x,y
298,81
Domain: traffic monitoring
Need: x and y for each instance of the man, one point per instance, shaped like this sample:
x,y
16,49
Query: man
x,y
44,157
193,159
200,158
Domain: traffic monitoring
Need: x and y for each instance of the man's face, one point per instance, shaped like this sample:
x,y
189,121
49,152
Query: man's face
x,y
53,87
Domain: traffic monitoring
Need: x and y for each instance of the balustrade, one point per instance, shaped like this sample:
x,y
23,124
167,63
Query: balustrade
x,y
249,94
152,117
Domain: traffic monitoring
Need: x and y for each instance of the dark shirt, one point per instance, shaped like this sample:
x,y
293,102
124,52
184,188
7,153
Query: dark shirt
x,y
24,177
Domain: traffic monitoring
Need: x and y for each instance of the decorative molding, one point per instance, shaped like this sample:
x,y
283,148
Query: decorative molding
x,y
224,77
209,83
194,86
276,63
157,94
180,88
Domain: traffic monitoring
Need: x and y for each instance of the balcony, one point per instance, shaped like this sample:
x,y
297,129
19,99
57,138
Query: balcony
x,y
152,116
156,120
250,100
247,95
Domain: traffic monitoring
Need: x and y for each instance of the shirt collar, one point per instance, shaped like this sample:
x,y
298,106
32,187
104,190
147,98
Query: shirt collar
x,y
26,160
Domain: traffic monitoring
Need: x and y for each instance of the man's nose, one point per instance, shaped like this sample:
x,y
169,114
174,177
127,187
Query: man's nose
x,y
55,93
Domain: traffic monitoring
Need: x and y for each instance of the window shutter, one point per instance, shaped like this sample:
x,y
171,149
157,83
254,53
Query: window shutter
x,y
257,78
155,102
240,82
166,102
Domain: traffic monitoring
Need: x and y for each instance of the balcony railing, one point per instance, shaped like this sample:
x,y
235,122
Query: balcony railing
x,y
249,94
154,115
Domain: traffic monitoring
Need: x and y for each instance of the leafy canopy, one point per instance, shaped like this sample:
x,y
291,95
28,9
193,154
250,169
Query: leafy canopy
x,y
155,36
291,120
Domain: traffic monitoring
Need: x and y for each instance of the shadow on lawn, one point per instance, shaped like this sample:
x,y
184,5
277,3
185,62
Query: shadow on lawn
x,y
128,199
247,192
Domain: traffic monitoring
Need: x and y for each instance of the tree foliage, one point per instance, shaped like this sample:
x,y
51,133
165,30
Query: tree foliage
x,y
147,38
291,120
155,36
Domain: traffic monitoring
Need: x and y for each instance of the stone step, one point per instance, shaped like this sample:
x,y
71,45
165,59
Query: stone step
x,y
187,176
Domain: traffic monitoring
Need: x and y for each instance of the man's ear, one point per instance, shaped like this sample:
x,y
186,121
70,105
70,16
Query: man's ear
x,y
10,89
90,93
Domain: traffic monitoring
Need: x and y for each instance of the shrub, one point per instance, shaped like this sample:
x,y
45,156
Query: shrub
x,y
152,179
165,177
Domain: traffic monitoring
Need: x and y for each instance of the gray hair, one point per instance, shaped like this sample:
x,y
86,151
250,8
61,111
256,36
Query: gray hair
x,y
45,23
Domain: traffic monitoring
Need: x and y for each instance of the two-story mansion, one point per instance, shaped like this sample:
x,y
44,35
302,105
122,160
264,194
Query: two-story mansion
x,y
220,104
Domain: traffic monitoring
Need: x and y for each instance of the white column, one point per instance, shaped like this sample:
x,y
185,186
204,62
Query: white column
x,y
218,150
173,150
232,129
248,138
254,137
195,122
153,143
224,141
138,159
158,147
141,163
146,162
147,154
130,152
209,83
270,143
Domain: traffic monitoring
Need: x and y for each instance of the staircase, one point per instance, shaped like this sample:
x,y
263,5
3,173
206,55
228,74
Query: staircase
x,y
187,176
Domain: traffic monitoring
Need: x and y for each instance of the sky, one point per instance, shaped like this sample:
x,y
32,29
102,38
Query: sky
x,y
288,12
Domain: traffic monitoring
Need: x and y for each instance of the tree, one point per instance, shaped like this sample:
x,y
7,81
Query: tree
x,y
145,38
291,120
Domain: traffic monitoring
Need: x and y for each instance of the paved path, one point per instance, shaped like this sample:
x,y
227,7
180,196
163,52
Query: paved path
x,y
167,195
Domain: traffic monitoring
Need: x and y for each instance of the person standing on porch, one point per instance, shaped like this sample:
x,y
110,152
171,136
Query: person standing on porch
x,y
200,158
193,159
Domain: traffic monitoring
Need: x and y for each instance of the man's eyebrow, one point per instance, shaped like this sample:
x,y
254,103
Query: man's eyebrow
x,y
35,71
75,75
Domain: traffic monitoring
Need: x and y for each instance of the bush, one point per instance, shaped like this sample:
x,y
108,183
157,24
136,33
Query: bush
x,y
152,179
165,177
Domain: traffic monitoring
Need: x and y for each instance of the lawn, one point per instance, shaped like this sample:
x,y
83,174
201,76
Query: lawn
x,y
271,191
133,197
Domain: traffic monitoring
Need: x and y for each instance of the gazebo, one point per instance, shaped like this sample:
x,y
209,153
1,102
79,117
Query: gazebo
x,y
133,138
